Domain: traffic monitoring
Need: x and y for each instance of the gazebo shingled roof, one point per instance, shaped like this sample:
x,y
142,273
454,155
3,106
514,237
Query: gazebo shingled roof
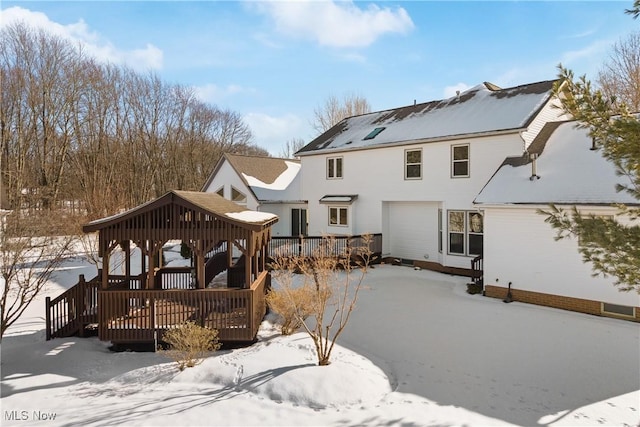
x,y
208,203
201,220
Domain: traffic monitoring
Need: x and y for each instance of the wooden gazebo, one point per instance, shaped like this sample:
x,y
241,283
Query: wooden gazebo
x,y
139,308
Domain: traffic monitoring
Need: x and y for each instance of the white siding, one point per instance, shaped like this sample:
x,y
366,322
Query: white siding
x,y
283,210
519,247
412,230
227,177
549,113
377,175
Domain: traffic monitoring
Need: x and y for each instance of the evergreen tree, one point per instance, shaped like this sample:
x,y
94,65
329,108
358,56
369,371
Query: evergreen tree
x,y
612,247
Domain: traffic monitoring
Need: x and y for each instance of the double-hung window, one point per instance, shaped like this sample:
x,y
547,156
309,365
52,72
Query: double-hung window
x,y
412,164
460,161
466,230
338,216
334,168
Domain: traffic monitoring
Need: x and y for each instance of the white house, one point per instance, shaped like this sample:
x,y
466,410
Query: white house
x,y
264,184
412,173
520,247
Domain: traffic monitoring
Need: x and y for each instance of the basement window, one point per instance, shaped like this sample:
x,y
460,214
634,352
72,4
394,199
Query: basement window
x,y
618,310
374,133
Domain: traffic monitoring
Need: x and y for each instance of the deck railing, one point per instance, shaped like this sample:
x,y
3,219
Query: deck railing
x,y
71,311
143,315
175,278
308,245
477,270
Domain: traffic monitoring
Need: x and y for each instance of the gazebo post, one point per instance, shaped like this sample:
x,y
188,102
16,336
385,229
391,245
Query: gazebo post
x,y
105,269
143,264
152,265
250,259
200,273
126,246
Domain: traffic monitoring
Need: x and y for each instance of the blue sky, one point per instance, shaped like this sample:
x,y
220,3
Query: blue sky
x,y
274,62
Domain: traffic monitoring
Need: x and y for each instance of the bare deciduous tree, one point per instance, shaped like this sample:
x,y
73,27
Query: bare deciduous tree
x,y
77,131
619,77
29,255
331,278
291,147
335,110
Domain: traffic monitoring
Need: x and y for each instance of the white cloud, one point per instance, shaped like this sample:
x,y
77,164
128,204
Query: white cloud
x,y
450,91
335,24
214,94
149,57
596,49
271,132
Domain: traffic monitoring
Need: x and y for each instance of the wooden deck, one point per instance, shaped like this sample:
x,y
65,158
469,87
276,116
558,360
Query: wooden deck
x,y
143,315
126,315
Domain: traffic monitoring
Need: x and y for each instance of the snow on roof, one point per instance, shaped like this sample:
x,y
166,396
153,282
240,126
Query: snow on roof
x,y
347,198
270,179
570,173
251,216
281,182
481,109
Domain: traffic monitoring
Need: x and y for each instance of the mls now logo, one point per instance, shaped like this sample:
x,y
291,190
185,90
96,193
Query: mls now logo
x,y
26,416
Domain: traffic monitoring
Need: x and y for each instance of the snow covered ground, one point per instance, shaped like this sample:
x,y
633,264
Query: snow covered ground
x,y
418,351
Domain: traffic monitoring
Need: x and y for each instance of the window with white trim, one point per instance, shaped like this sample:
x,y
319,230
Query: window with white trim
x,y
412,164
618,310
466,230
238,196
220,191
338,216
460,161
334,167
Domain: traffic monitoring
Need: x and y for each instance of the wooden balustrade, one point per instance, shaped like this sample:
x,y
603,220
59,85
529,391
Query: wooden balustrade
x,y
175,278
71,311
143,315
477,270
309,245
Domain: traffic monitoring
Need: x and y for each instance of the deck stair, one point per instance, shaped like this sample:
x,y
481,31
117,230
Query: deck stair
x,y
70,313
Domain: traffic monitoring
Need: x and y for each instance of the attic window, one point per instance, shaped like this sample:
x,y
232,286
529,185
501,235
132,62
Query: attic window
x,y
374,133
238,196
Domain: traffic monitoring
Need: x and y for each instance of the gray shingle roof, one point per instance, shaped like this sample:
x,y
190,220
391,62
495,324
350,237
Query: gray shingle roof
x,y
484,108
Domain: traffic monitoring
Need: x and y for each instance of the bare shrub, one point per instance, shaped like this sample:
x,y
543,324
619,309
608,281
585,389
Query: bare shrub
x,y
331,278
189,344
292,305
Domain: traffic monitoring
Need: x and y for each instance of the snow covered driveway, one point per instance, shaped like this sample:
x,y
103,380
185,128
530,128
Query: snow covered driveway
x,y
514,362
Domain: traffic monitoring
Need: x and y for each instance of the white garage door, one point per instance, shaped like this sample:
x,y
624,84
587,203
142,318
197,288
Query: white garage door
x,y
413,230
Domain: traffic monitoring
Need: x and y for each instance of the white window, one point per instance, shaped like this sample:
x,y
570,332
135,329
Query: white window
x,y
466,229
334,167
220,191
412,164
238,196
618,310
338,216
460,161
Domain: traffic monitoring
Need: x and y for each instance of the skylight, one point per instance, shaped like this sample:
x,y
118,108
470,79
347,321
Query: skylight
x,y
374,133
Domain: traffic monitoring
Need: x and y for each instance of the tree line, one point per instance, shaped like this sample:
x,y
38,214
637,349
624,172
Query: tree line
x,y
75,130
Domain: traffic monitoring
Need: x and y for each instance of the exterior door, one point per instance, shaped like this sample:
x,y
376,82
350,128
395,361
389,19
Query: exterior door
x,y
298,222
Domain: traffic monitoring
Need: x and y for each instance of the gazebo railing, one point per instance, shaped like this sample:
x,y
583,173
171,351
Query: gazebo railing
x,y
143,315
